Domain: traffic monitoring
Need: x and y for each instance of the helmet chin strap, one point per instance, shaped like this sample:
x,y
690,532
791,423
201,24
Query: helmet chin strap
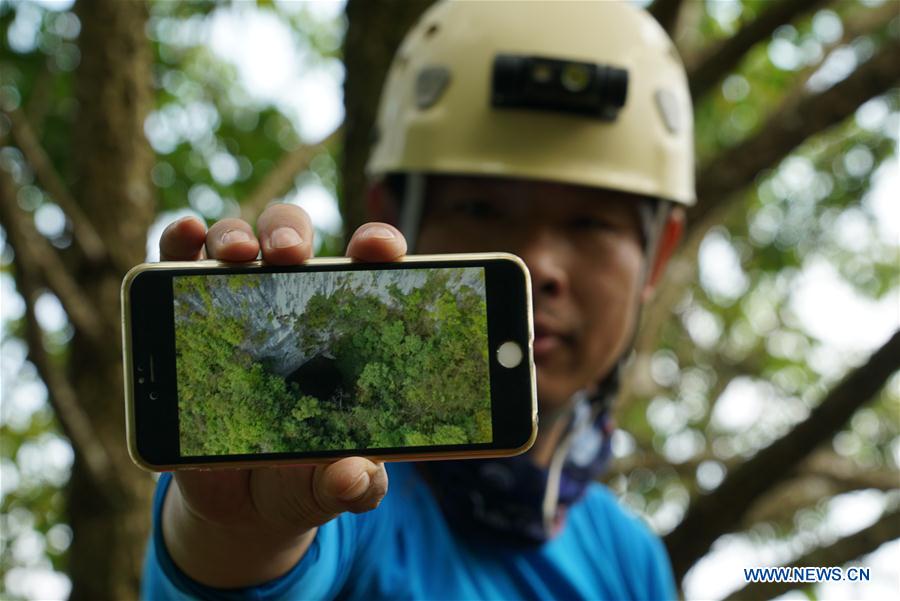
x,y
584,411
411,209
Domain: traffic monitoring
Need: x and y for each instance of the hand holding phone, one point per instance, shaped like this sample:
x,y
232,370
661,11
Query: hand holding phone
x,y
215,329
237,527
427,357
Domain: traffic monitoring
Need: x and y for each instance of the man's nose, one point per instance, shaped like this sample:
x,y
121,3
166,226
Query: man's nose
x,y
547,256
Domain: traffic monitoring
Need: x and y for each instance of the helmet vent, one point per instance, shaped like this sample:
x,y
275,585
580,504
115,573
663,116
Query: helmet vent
x,y
668,110
430,85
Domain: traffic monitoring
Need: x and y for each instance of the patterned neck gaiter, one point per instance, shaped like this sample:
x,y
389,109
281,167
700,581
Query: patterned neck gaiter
x,y
514,501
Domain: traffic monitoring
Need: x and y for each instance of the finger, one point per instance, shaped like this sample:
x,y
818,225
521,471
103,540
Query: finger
x,y
352,484
285,234
373,496
182,240
376,242
232,240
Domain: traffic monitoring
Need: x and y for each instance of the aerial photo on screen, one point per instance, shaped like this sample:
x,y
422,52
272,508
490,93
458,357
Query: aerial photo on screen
x,y
300,362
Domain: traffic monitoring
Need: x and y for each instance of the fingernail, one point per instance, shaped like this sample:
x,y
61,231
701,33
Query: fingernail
x,y
356,490
177,223
284,237
378,231
234,236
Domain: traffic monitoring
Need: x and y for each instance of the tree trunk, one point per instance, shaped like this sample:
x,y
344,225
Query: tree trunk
x,y
112,166
366,61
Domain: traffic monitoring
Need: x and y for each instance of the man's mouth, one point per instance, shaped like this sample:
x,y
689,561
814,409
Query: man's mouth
x,y
545,344
547,339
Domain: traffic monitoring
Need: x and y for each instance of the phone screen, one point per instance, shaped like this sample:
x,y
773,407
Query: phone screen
x,y
425,358
330,360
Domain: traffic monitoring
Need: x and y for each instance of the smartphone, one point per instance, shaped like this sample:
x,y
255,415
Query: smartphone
x,y
231,365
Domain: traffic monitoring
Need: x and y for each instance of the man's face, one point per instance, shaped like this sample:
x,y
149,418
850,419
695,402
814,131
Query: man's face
x,y
583,248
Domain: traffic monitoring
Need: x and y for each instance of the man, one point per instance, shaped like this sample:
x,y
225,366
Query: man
x,y
557,131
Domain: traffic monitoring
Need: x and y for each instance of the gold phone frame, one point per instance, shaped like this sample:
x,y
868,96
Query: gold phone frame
x,y
128,365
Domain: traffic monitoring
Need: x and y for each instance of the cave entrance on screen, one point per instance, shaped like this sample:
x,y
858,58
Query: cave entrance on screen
x,y
320,377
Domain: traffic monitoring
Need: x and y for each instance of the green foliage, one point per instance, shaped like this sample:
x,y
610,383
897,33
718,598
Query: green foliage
x,y
414,371
33,504
237,130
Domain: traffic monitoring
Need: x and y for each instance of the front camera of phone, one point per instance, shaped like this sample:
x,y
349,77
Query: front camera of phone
x,y
509,354
154,396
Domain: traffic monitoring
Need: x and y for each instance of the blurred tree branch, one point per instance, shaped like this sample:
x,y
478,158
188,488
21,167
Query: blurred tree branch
x,y
75,422
638,381
110,153
367,58
780,503
817,479
280,179
848,474
35,255
680,273
653,461
842,551
719,182
726,371
795,121
722,510
864,23
722,58
39,103
84,233
666,13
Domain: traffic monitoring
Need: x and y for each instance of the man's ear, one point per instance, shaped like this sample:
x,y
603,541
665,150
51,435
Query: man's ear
x,y
668,242
381,204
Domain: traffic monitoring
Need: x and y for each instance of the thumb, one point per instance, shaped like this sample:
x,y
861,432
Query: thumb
x,y
305,497
352,484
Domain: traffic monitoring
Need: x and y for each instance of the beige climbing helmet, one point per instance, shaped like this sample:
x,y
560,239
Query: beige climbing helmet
x,y
587,93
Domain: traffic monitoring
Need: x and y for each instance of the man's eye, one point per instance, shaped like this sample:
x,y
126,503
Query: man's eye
x,y
587,222
479,209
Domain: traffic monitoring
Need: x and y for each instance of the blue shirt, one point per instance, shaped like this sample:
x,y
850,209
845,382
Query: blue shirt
x,y
405,550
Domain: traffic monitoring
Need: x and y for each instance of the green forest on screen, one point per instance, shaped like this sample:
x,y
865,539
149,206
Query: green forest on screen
x,y
413,369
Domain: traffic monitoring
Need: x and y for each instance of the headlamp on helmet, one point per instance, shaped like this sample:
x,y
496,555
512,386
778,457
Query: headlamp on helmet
x,y
542,83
